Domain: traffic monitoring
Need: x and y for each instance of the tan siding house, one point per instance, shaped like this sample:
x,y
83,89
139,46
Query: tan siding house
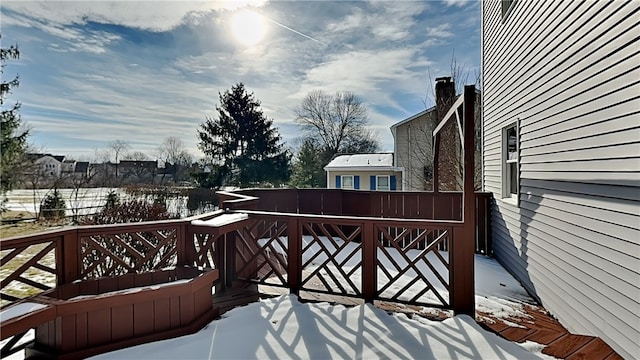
x,y
562,157
413,149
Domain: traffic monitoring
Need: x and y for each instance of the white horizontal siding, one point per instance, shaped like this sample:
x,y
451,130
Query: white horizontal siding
x,y
569,71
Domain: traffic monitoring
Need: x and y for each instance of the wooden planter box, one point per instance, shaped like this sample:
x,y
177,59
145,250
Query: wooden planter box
x,y
101,315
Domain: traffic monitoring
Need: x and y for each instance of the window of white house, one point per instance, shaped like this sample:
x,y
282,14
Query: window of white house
x,y
382,182
510,155
347,181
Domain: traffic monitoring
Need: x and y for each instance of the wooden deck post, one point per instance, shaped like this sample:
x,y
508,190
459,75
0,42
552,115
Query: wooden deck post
x,y
369,250
68,262
185,247
462,262
294,253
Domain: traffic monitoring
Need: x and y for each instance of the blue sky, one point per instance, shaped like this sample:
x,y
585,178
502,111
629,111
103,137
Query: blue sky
x,y
96,71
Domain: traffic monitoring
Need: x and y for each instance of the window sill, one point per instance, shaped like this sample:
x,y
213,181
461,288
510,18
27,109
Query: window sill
x,y
512,200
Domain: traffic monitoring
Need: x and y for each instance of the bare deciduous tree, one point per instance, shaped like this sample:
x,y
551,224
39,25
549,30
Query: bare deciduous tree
x,y
118,148
136,156
339,121
173,152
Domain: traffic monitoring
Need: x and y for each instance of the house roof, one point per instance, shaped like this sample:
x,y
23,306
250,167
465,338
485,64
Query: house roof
x,y
35,156
413,117
362,162
82,166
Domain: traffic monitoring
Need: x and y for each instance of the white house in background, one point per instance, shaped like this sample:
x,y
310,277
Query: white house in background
x,y
51,166
562,157
364,172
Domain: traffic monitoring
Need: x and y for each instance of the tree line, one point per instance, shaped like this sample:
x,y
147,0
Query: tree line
x,y
243,148
241,145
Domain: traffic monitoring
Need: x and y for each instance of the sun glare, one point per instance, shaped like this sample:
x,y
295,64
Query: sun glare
x,y
248,27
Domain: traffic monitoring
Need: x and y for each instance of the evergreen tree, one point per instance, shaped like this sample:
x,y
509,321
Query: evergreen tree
x,y
14,138
308,170
242,145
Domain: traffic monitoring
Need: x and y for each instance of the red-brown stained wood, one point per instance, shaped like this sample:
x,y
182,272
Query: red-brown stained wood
x,y
516,334
201,301
96,326
566,345
67,332
126,281
81,330
545,336
122,322
108,285
143,318
174,315
163,314
88,287
186,309
614,356
595,349
143,279
495,326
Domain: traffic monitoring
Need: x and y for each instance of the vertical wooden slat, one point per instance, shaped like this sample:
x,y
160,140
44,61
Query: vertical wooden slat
x,y
81,330
294,272
96,320
219,245
122,322
67,333
143,318
186,309
174,312
369,270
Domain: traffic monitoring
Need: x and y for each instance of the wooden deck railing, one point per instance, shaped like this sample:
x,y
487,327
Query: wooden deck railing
x,y
335,248
385,204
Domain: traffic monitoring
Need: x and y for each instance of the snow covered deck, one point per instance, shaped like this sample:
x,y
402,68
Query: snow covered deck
x,y
393,263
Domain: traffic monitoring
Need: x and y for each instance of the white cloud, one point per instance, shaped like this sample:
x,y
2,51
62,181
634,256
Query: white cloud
x,y
458,3
145,91
440,31
156,16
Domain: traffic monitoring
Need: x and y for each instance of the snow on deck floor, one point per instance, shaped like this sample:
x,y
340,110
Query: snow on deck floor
x,y
283,328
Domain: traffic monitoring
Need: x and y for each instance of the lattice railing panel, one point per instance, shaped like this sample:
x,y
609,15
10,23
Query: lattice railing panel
x,y
206,248
410,265
27,270
332,258
263,261
113,254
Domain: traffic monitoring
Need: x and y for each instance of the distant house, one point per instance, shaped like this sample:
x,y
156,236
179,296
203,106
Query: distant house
x,y
364,172
134,171
413,146
413,149
48,165
562,158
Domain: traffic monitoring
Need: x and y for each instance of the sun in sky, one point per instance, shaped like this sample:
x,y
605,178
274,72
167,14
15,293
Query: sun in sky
x,y
248,27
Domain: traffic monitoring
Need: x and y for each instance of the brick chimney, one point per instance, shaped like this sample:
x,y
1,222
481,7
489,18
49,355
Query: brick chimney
x,y
445,95
446,176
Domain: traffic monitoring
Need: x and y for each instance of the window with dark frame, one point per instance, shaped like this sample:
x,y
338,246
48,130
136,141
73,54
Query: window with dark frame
x,y
510,156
